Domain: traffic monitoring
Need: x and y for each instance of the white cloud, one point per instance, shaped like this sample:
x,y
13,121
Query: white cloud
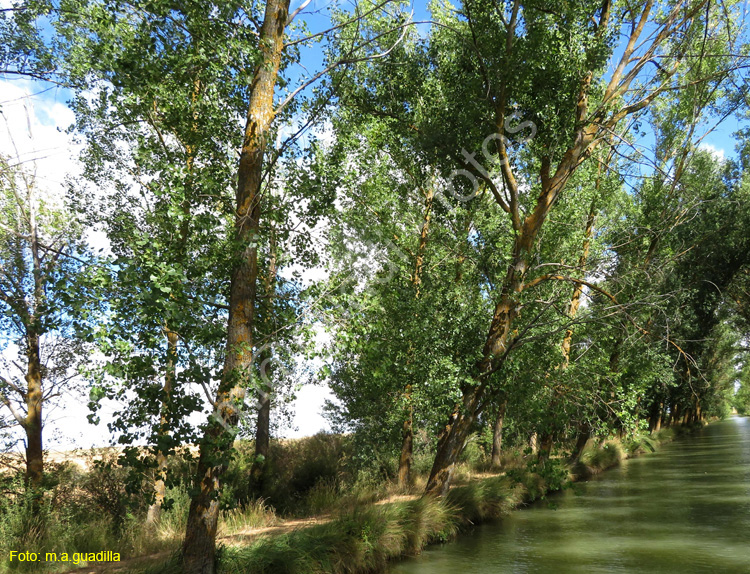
x,y
718,153
32,134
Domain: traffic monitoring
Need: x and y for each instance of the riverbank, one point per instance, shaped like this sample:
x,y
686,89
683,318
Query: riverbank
x,y
364,537
684,511
314,517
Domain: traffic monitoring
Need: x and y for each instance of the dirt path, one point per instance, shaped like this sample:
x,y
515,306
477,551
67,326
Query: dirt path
x,y
242,538
122,565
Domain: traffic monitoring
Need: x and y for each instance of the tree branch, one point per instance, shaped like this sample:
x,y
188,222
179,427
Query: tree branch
x,y
332,28
346,61
21,420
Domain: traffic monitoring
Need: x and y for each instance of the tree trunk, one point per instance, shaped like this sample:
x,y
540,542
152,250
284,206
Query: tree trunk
x,y
262,443
199,546
407,445
447,456
652,416
452,442
575,299
497,435
696,411
500,339
170,375
407,441
534,442
494,353
686,417
33,423
160,484
545,447
573,306
34,390
584,434
498,343
674,415
263,427
657,426
422,246
160,489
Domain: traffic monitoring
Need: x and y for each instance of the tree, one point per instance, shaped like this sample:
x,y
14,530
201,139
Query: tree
x,y
584,110
160,133
481,70
41,252
134,44
199,545
741,399
24,53
294,204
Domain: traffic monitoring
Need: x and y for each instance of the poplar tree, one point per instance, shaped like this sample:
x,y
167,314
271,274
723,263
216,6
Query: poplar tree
x,y
41,255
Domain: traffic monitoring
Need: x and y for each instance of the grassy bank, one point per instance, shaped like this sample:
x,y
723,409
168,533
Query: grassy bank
x,y
364,537
363,521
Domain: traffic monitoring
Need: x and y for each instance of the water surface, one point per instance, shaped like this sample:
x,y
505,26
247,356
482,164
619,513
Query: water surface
x,y
683,510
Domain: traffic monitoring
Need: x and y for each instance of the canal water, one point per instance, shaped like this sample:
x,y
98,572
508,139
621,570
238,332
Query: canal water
x,y
683,510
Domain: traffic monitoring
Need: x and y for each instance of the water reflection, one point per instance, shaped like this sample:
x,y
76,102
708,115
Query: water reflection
x,y
684,510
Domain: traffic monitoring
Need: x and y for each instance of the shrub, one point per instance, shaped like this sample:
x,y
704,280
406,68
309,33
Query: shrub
x,y
598,458
254,514
473,454
482,499
640,444
296,467
104,485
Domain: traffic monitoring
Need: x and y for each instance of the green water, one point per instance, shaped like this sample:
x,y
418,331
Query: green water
x,y
683,510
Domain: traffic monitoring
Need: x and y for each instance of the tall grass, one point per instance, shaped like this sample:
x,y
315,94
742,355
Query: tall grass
x,y
363,539
601,457
366,537
597,457
255,514
640,444
67,519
